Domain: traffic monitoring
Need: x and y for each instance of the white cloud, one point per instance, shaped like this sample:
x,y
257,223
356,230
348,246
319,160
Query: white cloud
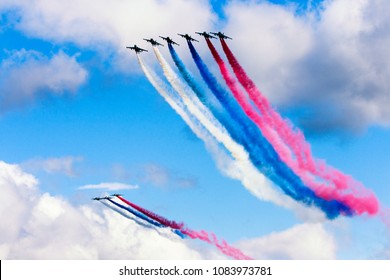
x,y
268,40
63,165
28,75
91,22
39,225
109,27
302,242
328,65
42,226
331,68
109,186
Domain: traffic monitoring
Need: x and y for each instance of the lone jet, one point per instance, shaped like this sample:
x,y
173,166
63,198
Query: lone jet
x,y
153,42
169,40
206,35
116,194
187,37
100,198
221,35
136,49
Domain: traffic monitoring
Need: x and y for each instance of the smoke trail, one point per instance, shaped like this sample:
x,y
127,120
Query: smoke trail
x,y
214,127
208,100
361,200
359,205
202,235
244,170
137,214
150,214
241,170
200,112
223,246
125,215
261,153
177,105
180,109
151,223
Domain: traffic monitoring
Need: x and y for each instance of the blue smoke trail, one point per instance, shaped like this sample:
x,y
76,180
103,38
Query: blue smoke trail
x,y
208,100
260,151
124,214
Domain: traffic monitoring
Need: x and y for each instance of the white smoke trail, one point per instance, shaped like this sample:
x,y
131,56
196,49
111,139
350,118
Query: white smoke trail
x,y
126,215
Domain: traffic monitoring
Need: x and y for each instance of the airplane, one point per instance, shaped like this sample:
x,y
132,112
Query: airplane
x,y
100,198
136,49
206,35
221,35
187,37
153,42
169,40
116,194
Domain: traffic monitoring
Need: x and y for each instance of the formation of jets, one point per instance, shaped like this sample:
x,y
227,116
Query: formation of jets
x,y
107,197
204,34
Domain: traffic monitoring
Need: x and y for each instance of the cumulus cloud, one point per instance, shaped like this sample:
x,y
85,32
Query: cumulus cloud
x,y
42,226
328,64
108,28
89,22
109,186
64,165
29,75
305,241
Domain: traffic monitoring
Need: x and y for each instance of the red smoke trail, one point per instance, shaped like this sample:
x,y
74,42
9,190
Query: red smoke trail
x,y
202,235
295,138
269,122
222,246
161,220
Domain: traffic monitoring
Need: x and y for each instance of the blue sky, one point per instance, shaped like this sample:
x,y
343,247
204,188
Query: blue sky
x,y
76,109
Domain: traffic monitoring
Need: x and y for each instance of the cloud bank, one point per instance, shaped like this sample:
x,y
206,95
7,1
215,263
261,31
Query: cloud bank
x,y
325,63
305,241
43,226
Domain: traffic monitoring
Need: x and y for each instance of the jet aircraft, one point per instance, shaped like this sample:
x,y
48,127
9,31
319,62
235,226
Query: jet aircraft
x,y
100,198
116,194
153,42
206,35
221,35
136,49
169,40
187,37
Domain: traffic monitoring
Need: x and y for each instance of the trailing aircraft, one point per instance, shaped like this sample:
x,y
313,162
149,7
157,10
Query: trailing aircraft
x,y
136,49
